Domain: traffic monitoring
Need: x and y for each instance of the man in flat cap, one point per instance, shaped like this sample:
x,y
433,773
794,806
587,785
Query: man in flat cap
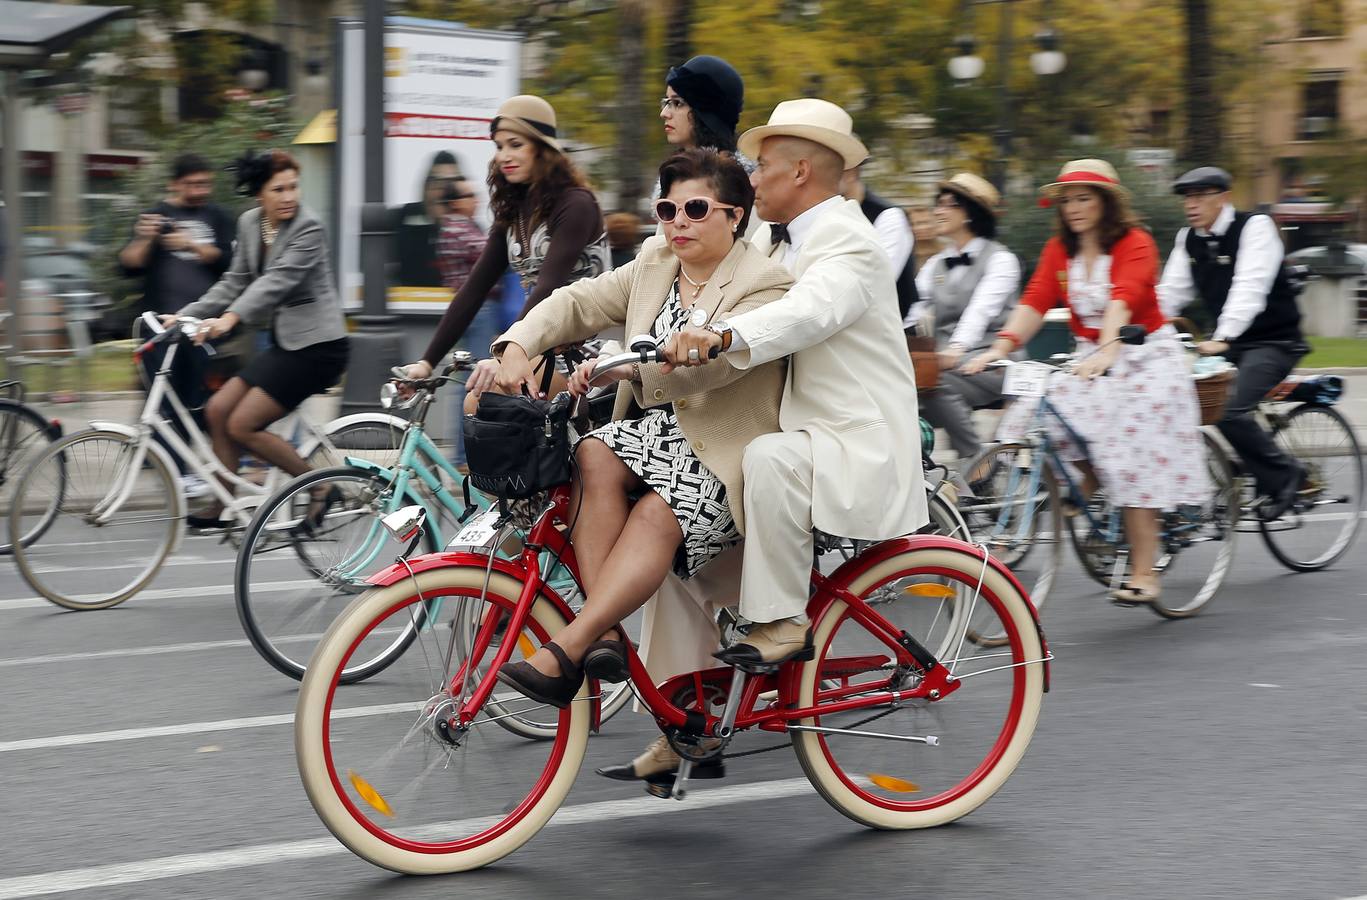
x,y
1232,262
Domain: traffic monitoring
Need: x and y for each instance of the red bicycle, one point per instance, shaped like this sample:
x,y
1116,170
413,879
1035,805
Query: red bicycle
x,y
928,637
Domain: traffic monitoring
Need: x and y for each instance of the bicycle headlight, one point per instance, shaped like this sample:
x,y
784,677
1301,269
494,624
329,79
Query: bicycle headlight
x,y
389,392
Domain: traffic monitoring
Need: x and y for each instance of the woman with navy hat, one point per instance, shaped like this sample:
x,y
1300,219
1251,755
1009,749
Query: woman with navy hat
x,y
702,103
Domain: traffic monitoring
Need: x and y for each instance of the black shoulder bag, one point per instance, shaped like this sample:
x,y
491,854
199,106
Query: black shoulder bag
x,y
517,446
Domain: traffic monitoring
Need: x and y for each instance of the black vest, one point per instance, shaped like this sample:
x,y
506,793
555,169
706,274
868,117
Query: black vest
x,y
1212,271
873,207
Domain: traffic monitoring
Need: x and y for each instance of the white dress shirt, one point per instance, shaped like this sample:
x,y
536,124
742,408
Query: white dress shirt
x,y
798,229
894,233
998,286
1255,269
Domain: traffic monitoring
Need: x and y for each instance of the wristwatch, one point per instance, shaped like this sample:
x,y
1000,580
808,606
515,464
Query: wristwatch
x,y
722,330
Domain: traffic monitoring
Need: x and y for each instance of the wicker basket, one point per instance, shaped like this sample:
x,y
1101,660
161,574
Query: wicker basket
x,y
1213,393
924,361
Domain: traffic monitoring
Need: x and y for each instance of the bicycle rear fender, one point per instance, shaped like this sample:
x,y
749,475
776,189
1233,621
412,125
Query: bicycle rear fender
x,y
155,448
333,425
513,569
842,577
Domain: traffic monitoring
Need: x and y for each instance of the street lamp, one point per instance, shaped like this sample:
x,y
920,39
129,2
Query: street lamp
x,y
967,66
1048,59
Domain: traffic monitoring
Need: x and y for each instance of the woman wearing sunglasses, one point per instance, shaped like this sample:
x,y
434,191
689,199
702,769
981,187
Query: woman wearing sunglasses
x,y
547,227
683,457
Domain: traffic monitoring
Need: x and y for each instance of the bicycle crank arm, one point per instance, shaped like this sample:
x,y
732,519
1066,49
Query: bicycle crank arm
x,y
929,740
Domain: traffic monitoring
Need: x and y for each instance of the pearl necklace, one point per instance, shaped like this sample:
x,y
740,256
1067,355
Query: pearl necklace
x,y
268,232
697,285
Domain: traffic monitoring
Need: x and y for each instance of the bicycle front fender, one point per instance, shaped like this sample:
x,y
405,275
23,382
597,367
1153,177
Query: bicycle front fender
x,y
512,568
842,577
334,425
410,495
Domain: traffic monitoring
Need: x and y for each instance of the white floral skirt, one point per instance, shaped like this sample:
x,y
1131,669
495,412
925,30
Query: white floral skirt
x,y
1141,423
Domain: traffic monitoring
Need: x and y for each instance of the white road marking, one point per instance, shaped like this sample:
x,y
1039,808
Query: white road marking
x,y
1260,684
269,854
157,731
159,649
183,593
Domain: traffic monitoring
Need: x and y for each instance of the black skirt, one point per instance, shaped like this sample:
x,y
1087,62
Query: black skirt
x,y
292,376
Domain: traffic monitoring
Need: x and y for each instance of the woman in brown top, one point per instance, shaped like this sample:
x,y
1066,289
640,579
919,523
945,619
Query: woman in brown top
x,y
547,226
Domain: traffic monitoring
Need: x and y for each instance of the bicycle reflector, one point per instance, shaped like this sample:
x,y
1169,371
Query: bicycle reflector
x,y
938,591
894,784
370,795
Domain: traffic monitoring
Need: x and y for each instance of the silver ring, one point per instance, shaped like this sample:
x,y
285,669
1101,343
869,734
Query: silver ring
x,y
693,355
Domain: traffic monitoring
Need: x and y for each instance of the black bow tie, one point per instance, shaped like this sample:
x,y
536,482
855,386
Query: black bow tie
x,y
963,259
778,233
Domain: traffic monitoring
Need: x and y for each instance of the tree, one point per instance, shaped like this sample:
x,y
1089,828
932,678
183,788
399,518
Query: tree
x,y
631,119
1203,136
679,32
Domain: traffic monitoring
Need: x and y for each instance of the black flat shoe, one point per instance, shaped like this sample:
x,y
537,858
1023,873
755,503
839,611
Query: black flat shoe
x,y
607,661
205,523
554,690
318,510
1273,508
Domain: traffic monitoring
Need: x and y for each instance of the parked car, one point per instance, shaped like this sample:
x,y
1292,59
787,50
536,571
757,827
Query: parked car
x,y
65,272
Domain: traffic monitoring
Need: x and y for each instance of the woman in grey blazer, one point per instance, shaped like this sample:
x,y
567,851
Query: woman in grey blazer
x,y
281,275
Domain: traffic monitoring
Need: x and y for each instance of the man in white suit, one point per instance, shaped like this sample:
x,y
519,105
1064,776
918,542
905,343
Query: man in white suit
x,y
848,459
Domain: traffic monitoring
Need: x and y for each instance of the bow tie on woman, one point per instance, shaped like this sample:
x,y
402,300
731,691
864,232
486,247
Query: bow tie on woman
x,y
963,259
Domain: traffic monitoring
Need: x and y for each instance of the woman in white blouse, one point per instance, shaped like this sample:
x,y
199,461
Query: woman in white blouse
x,y
968,291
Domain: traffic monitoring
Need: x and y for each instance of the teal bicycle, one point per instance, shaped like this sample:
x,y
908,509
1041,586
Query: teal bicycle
x,y
315,543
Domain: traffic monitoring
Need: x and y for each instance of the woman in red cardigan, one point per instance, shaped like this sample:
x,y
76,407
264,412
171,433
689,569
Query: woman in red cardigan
x,y
1141,424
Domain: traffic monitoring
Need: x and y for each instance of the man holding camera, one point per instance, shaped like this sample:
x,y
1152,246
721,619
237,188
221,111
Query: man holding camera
x,y
1232,262
180,247
183,244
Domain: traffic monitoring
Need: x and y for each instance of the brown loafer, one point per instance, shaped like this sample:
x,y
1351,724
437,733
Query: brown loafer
x,y
770,644
554,690
658,762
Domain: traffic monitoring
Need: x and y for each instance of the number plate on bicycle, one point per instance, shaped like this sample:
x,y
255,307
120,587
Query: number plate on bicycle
x,y
478,533
1026,379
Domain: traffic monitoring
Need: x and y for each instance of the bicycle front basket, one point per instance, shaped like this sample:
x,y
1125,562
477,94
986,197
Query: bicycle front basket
x,y
516,446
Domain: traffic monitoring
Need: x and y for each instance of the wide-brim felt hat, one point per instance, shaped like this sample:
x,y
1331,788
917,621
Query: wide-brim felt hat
x,y
1096,173
975,189
819,121
528,115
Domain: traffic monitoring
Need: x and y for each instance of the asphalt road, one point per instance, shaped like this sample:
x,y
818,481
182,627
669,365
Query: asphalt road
x,y
146,752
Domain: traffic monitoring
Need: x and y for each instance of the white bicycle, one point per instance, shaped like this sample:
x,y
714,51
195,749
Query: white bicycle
x,y
101,511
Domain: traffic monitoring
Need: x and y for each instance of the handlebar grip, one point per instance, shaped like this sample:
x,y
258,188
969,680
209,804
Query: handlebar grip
x,y
713,352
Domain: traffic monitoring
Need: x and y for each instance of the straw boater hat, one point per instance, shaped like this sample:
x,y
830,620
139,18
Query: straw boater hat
x,y
815,120
1095,173
974,189
530,116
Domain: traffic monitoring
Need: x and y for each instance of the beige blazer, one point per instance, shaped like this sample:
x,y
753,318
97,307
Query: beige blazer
x,y
850,384
719,407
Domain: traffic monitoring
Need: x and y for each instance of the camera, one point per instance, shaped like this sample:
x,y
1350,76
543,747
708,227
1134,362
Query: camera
x,y
168,226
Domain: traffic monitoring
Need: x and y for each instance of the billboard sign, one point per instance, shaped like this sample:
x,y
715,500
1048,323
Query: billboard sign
x,y
443,84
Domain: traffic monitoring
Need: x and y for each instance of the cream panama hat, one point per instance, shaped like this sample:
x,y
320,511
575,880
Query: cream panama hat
x,y
819,121
528,115
1095,173
974,188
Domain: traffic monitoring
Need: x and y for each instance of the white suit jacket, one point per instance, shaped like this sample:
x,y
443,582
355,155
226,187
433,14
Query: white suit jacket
x,y
850,384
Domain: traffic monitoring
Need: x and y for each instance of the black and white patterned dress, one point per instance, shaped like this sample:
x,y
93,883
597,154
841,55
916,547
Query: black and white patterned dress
x,y
654,447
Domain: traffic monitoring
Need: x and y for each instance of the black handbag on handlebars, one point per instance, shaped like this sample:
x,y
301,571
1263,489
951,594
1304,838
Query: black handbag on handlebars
x,y
516,446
